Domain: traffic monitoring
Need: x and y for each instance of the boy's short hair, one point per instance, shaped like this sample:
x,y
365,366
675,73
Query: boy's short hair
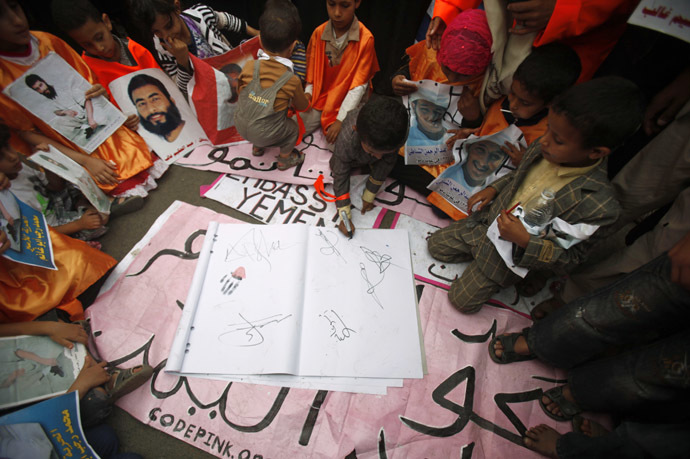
x,y
280,25
549,70
72,14
144,12
383,123
606,111
4,138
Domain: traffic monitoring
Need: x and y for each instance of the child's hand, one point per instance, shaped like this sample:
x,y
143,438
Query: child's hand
x,y
92,375
333,131
95,91
402,86
67,334
343,229
458,134
91,219
132,122
516,152
4,182
512,229
482,198
468,106
42,147
178,49
4,242
531,16
103,171
434,33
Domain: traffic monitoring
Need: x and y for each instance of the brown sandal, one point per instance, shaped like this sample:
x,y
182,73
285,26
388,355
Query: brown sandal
x,y
127,380
258,151
293,159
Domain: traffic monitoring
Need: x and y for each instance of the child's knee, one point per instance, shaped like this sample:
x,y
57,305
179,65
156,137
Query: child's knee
x,y
463,299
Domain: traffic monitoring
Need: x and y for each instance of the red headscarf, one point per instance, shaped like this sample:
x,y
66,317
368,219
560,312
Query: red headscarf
x,y
466,43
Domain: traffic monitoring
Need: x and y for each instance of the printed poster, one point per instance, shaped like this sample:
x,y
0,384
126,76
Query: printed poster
x,y
166,122
433,111
213,91
481,162
24,432
63,166
53,91
35,368
27,231
670,17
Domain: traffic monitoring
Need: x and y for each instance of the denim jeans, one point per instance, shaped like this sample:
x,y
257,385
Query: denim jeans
x,y
645,314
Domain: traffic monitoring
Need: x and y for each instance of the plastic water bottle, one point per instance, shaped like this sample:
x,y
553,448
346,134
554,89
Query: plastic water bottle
x,y
538,212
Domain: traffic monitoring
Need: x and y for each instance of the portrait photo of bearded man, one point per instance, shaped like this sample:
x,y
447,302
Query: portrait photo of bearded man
x,y
157,110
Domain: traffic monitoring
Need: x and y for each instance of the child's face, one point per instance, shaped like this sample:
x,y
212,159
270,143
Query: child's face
x,y
10,165
523,105
375,152
562,144
341,13
429,118
14,28
97,39
169,26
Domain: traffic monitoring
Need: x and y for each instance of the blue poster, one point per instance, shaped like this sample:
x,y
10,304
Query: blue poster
x,y
27,231
59,420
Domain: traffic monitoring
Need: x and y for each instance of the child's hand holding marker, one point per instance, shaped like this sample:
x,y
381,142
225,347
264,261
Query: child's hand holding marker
x,y
511,228
345,226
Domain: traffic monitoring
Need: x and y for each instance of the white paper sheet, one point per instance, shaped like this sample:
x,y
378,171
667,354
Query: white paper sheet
x,y
300,300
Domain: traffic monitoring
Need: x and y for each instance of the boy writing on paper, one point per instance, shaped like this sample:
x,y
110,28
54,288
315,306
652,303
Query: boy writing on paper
x,y
268,87
370,136
341,61
586,123
106,54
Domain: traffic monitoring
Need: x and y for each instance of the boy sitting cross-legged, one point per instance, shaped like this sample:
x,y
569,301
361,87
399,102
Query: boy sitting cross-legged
x,y
586,123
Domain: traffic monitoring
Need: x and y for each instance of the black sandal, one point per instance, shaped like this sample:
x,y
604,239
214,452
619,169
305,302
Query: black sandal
x,y
509,355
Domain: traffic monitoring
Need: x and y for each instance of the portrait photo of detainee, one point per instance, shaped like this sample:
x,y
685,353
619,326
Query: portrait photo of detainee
x,y
74,115
427,126
484,159
157,110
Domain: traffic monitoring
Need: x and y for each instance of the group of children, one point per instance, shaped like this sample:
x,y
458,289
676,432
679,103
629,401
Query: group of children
x,y
289,91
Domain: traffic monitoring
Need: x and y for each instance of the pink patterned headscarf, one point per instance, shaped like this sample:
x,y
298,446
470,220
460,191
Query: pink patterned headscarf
x,y
466,43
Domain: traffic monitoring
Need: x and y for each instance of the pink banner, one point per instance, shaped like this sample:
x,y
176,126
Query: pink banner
x,y
465,404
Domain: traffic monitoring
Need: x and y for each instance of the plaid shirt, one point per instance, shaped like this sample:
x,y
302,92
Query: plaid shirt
x,y
348,154
587,199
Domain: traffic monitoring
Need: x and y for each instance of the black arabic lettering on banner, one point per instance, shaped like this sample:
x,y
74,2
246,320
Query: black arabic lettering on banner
x,y
464,412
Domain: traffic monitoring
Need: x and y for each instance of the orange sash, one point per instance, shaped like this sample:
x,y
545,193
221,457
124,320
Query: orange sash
x,y
331,84
26,292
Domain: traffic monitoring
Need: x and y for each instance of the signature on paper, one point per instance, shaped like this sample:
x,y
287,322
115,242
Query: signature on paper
x,y
252,245
252,335
340,331
381,263
330,240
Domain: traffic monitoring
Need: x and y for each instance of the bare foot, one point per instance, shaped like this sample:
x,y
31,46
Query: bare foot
x,y
552,406
542,439
588,427
520,347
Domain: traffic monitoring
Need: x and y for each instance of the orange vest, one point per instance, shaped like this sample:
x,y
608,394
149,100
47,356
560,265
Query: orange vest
x,y
331,84
27,292
107,71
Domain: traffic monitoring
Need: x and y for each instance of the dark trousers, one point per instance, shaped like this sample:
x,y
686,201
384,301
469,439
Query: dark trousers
x,y
644,314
